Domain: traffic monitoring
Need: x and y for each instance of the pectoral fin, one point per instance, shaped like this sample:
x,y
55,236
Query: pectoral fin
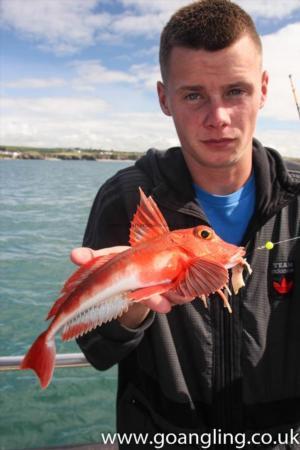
x,y
202,277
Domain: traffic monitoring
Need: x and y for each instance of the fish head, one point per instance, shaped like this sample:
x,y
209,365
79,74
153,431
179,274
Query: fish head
x,y
203,241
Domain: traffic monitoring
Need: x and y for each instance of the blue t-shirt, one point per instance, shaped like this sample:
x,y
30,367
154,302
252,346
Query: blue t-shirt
x,y
229,215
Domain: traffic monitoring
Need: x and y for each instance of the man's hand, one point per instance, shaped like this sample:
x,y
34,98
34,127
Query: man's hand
x,y
138,312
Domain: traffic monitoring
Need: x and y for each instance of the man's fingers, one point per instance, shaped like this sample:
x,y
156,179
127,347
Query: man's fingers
x,y
158,303
82,255
163,303
177,299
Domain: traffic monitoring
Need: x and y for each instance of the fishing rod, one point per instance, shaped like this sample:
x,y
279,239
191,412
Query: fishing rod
x,y
295,95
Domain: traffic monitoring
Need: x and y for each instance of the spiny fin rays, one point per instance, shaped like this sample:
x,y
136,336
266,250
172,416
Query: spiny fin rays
x,y
93,317
148,222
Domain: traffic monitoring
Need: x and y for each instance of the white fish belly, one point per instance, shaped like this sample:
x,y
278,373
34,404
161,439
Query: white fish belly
x,y
95,316
103,306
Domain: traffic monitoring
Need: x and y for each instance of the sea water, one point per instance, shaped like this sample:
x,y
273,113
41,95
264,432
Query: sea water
x,y
44,207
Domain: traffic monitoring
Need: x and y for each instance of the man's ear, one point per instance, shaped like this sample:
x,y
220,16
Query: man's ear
x,y
163,99
264,88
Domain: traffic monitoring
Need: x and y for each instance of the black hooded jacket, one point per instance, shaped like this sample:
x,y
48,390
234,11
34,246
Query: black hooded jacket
x,y
196,369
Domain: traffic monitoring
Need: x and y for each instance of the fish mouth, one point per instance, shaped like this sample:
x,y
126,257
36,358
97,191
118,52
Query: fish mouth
x,y
236,259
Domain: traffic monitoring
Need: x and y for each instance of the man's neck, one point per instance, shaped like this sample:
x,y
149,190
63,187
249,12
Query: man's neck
x,y
220,180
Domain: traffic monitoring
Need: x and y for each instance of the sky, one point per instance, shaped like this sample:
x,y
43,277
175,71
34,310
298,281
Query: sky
x,y
83,73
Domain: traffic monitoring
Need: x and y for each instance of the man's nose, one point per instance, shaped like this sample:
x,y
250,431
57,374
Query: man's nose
x,y
217,116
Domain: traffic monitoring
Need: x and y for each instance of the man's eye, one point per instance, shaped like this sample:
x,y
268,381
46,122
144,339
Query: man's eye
x,y
235,92
193,97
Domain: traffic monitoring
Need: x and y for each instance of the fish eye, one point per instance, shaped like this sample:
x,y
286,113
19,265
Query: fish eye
x,y
205,234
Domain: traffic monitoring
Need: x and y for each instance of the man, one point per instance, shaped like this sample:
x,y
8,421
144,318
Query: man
x,y
187,369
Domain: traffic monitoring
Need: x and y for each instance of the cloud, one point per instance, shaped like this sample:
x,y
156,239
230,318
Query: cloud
x,y
120,131
146,74
287,142
93,72
90,73
281,58
154,6
268,8
67,26
138,25
64,26
35,83
43,108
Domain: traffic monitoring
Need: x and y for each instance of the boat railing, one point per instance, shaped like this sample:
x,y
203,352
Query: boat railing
x,y
8,363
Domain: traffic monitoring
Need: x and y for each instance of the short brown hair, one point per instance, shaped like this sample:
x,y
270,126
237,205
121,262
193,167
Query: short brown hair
x,y
205,24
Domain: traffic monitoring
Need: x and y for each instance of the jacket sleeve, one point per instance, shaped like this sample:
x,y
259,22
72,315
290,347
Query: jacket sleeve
x,y
108,225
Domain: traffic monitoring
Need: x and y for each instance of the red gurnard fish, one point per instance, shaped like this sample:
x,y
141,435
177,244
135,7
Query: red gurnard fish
x,y
193,262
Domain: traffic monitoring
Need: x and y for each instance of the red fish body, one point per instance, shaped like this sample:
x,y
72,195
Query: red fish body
x,y
191,262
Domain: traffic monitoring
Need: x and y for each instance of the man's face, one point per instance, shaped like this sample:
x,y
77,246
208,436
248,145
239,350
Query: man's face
x,y
214,98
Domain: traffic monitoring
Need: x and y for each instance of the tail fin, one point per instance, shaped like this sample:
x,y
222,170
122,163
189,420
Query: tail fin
x,y
41,359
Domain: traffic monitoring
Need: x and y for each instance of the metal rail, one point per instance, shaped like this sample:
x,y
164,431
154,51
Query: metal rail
x,y
8,363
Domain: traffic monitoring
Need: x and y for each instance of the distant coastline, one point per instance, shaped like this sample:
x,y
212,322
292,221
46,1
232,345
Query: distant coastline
x,y
66,154
73,154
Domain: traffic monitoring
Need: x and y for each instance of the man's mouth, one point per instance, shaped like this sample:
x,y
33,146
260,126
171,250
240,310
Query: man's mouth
x,y
223,142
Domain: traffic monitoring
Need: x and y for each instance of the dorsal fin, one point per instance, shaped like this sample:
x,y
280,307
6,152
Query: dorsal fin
x,y
148,222
76,278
